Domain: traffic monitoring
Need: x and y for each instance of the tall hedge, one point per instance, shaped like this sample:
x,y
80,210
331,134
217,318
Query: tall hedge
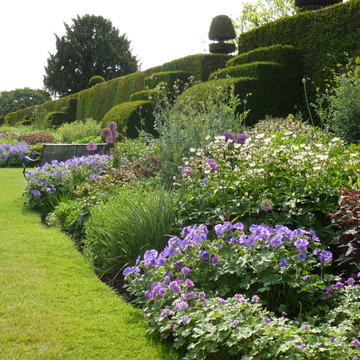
x,y
333,30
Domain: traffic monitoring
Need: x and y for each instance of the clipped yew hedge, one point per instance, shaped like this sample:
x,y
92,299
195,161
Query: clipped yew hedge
x,y
130,117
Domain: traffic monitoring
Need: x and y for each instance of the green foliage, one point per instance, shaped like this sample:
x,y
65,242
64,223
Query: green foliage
x,y
96,80
307,5
20,98
167,77
78,130
97,101
222,48
66,115
95,47
229,296
142,95
130,222
333,30
298,170
191,120
339,106
200,66
221,28
131,118
258,13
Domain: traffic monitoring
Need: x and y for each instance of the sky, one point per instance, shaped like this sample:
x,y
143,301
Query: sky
x,y
159,31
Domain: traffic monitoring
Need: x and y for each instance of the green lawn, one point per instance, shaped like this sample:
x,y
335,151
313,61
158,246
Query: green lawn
x,y
52,305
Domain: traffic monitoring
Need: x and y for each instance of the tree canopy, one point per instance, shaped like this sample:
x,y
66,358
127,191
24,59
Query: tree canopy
x,y
91,46
260,12
18,97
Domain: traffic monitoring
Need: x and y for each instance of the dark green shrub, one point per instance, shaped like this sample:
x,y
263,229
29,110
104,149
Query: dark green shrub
x,y
222,48
167,77
199,66
96,80
306,5
22,106
257,70
66,115
2,120
131,117
221,29
334,30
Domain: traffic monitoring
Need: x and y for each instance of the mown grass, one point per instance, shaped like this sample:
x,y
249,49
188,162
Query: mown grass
x,y
52,305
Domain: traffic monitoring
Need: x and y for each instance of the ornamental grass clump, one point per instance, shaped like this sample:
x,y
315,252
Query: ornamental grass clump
x,y
257,293
298,170
45,185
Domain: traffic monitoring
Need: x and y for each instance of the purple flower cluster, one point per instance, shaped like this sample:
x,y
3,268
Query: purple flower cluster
x,y
237,139
110,133
14,154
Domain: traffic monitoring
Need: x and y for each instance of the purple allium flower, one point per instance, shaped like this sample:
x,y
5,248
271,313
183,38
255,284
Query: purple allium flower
x,y
186,271
350,281
205,255
105,132
234,323
187,171
240,139
131,270
114,134
266,205
112,125
283,263
228,135
109,140
301,256
215,260
212,164
91,146
267,320
185,319
162,291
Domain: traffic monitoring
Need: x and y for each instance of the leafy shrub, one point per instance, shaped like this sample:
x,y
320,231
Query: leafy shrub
x,y
185,125
131,221
339,107
347,218
36,138
298,170
131,118
170,78
213,295
78,130
47,184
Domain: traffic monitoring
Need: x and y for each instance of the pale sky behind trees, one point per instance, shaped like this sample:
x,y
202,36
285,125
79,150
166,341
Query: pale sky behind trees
x,y
159,31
